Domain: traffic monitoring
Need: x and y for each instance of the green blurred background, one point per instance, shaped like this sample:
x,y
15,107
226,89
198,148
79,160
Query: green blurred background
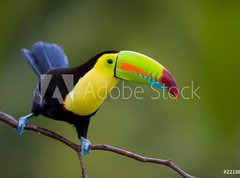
x,y
196,40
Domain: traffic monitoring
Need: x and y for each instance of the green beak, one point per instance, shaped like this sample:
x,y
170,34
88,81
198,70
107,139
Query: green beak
x,y
136,67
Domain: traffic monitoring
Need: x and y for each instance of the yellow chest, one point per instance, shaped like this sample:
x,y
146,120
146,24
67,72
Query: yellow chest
x,y
89,93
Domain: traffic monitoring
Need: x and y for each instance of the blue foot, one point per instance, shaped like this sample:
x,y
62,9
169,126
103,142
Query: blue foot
x,y
86,146
23,121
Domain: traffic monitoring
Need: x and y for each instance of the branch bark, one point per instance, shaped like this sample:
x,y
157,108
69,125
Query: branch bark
x,y
13,122
84,172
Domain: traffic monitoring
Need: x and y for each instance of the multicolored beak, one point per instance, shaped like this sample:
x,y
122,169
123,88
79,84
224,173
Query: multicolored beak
x,y
136,67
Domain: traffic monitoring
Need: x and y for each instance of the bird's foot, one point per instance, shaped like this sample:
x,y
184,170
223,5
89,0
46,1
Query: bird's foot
x,y
23,121
86,146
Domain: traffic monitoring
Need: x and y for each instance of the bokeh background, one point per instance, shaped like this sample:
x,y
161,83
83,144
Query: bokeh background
x,y
198,41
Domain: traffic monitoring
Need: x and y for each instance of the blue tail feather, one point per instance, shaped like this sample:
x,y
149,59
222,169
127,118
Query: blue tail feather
x,y
45,56
31,60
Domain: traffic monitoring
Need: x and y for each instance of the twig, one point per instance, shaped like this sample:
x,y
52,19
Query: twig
x,y
84,173
13,122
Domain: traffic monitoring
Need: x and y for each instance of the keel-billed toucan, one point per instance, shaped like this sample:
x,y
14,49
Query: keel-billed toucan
x,y
61,93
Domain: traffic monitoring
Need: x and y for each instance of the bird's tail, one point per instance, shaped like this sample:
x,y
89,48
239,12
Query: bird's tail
x,y
45,56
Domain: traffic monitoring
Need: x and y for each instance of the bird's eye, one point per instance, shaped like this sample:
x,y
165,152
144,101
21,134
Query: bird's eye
x,y
109,61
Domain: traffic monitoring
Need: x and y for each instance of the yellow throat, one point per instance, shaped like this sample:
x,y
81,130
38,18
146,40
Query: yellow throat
x,y
90,91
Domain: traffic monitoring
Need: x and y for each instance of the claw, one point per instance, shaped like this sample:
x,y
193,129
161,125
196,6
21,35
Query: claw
x,y
86,146
23,121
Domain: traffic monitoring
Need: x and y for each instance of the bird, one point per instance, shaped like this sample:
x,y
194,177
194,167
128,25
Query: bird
x,y
73,95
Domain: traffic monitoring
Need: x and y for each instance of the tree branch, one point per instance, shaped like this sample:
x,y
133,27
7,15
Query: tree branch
x,y
13,122
84,173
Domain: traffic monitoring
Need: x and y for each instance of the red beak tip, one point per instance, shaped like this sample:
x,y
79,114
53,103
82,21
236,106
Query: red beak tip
x,y
177,97
175,92
170,83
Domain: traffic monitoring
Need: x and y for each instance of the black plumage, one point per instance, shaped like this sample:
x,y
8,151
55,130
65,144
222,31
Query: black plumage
x,y
49,60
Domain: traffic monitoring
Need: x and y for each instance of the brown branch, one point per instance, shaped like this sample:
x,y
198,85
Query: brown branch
x,y
13,122
84,173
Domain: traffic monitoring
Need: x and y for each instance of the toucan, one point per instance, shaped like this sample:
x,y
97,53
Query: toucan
x,y
72,94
